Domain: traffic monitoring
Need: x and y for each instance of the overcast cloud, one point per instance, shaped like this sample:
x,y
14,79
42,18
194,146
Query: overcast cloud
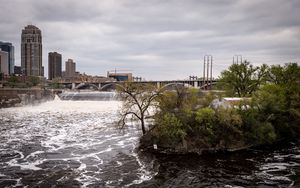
x,y
157,39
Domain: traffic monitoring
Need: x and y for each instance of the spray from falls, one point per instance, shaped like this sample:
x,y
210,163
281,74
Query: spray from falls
x,y
89,95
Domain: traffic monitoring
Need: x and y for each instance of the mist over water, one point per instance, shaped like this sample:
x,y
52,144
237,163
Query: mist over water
x,y
89,96
67,143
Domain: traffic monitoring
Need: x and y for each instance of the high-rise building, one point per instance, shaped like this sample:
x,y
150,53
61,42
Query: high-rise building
x,y
31,51
4,62
54,65
9,48
70,69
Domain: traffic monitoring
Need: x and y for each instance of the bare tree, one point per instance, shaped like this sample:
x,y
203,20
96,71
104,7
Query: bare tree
x,y
137,100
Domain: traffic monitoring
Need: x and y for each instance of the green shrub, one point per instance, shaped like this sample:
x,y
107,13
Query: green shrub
x,y
205,117
169,126
265,133
228,126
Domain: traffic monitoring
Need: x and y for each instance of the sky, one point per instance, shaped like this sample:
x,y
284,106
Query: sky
x,y
155,39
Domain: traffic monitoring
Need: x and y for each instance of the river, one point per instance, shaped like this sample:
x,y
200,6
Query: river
x,y
65,143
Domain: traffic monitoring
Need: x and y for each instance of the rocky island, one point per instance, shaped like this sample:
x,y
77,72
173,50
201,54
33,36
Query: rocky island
x,y
266,110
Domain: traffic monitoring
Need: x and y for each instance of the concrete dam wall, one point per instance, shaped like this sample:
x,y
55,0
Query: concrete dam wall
x,y
23,96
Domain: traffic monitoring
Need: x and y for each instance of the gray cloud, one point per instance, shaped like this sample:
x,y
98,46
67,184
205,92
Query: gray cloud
x,y
158,39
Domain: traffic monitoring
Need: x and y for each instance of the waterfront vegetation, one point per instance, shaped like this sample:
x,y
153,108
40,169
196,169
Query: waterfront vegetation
x,y
186,121
18,82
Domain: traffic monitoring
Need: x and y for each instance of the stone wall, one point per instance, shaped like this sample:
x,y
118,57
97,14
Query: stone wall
x,y
18,96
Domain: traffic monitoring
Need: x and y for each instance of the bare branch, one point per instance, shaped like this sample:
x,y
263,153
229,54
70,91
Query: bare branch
x,y
137,98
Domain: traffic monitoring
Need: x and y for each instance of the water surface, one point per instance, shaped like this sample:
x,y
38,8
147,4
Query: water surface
x,y
68,143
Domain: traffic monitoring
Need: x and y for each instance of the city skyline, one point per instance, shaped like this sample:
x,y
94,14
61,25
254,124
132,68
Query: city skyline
x,y
158,40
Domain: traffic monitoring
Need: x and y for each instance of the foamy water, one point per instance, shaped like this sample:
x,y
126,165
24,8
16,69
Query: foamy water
x,y
69,143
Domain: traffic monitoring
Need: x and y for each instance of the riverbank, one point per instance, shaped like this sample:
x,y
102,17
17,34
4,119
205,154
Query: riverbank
x,y
268,166
10,97
150,143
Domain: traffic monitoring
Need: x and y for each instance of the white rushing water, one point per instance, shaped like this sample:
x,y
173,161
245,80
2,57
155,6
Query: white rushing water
x,y
69,143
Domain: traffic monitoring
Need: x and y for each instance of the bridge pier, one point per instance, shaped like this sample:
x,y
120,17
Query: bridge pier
x,y
158,85
196,84
73,86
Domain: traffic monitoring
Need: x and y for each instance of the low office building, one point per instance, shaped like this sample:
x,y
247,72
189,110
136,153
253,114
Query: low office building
x,y
120,76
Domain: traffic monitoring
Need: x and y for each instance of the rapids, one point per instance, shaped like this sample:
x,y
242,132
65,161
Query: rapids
x,y
68,143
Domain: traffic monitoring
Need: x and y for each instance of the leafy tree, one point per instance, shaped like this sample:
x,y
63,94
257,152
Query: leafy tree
x,y
137,100
270,99
34,80
276,74
243,79
13,80
181,102
278,101
55,84
288,77
172,101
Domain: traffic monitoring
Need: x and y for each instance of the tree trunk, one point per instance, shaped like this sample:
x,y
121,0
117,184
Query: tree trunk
x,y
143,125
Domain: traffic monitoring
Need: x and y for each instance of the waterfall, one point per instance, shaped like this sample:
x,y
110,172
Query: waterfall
x,y
89,95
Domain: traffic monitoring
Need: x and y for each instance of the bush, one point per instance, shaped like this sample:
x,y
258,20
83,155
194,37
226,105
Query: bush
x,y
169,126
270,99
228,127
34,80
265,133
205,118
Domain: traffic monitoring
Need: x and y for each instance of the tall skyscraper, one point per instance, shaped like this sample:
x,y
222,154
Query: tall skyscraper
x,y
9,48
70,68
54,65
4,62
31,51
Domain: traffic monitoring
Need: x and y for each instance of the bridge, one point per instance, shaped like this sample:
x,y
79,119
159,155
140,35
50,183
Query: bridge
x,y
168,85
